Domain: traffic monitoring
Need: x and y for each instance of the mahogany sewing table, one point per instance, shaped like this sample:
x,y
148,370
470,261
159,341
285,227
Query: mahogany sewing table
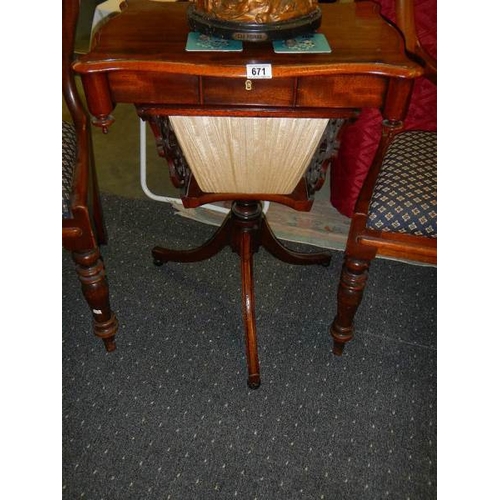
x,y
139,57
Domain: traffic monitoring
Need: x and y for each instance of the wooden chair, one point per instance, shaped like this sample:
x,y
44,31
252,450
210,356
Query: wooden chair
x,y
396,211
82,224
361,138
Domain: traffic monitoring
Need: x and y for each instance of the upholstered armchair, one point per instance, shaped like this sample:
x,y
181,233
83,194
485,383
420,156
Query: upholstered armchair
x,y
417,20
396,211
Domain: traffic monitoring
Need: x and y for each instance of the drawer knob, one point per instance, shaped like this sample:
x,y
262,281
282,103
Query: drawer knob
x,y
248,85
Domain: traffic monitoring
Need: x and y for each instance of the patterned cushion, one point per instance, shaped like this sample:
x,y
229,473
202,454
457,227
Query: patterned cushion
x,y
68,165
405,196
360,139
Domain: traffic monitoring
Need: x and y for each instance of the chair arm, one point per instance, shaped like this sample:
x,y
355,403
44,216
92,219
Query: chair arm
x,y
429,63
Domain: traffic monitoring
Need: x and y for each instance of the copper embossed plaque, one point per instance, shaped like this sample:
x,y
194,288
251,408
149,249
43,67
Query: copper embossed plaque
x,y
254,20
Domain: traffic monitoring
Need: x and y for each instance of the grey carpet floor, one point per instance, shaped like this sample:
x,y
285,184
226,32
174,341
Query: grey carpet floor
x,y
168,415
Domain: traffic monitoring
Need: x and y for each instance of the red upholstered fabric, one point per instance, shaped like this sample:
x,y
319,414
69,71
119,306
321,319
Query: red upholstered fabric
x,y
359,140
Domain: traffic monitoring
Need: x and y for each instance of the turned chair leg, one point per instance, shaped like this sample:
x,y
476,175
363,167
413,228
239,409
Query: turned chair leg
x,y
350,293
90,270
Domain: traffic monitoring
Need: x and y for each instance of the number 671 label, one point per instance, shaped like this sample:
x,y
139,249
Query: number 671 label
x,y
259,71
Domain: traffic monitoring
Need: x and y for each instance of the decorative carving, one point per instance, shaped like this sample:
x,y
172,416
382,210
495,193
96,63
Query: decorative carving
x,y
323,156
256,11
170,149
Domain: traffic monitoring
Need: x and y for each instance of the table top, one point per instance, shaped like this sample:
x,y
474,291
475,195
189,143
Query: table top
x,y
151,36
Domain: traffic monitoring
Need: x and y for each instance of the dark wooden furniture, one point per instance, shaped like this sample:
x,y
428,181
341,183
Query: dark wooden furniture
x,y
360,138
139,57
83,229
396,212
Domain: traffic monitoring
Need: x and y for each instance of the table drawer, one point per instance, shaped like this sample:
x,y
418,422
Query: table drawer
x,y
344,91
234,92
150,87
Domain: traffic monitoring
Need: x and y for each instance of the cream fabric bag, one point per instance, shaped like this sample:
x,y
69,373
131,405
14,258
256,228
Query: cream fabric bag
x,y
248,155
